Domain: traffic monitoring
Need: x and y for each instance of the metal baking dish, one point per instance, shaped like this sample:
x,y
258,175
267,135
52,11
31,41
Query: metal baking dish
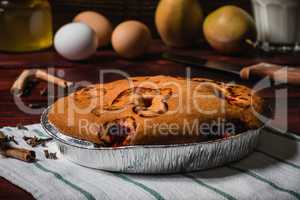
x,y
153,159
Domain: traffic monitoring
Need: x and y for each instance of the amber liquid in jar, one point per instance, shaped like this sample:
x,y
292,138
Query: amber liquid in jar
x,y
25,25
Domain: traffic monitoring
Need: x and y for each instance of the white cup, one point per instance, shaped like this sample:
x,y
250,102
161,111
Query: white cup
x,y
278,24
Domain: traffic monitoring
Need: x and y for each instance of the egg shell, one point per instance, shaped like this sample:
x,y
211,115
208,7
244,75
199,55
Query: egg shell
x,y
131,39
99,23
75,41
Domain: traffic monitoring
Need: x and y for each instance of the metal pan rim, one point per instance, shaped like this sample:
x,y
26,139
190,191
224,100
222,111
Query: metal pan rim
x,y
53,132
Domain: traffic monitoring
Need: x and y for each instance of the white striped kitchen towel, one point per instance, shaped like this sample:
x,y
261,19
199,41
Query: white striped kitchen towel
x,y
271,172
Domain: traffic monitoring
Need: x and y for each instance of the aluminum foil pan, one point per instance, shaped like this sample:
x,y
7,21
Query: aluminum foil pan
x,y
153,159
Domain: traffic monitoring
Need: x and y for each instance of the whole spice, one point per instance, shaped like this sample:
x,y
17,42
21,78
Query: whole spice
x,y
35,141
50,155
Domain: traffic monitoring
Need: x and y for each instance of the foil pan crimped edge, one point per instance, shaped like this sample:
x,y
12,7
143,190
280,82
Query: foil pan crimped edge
x,y
153,159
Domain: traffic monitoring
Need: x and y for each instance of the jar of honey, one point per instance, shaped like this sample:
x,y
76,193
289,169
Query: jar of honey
x,y
25,25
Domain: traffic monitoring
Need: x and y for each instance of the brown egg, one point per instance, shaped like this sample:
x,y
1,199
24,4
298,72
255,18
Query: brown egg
x,y
99,23
131,39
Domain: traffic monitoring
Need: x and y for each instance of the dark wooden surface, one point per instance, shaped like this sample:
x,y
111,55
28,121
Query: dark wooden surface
x,y
11,66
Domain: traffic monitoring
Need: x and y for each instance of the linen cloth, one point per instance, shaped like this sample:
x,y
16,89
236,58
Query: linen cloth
x,y
272,171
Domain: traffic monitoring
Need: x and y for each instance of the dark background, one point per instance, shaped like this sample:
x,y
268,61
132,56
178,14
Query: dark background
x,y
120,10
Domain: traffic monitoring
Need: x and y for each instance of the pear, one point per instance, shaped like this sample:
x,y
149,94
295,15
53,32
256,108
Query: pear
x,y
179,22
229,30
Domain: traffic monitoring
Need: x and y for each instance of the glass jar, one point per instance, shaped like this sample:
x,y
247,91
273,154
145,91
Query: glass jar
x,y
25,25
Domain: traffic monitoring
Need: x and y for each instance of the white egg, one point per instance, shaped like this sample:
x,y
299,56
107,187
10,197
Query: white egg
x,y
75,41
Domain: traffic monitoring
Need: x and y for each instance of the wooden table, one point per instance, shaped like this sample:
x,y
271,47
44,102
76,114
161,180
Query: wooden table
x,y
11,66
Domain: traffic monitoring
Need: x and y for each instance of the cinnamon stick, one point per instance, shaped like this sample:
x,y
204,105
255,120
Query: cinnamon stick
x,y
7,150
29,74
21,154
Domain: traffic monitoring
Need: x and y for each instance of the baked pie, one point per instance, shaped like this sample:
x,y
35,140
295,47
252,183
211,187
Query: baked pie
x,y
157,110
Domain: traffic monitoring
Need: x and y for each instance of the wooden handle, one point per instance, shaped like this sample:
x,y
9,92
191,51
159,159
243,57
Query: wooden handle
x,y
277,73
